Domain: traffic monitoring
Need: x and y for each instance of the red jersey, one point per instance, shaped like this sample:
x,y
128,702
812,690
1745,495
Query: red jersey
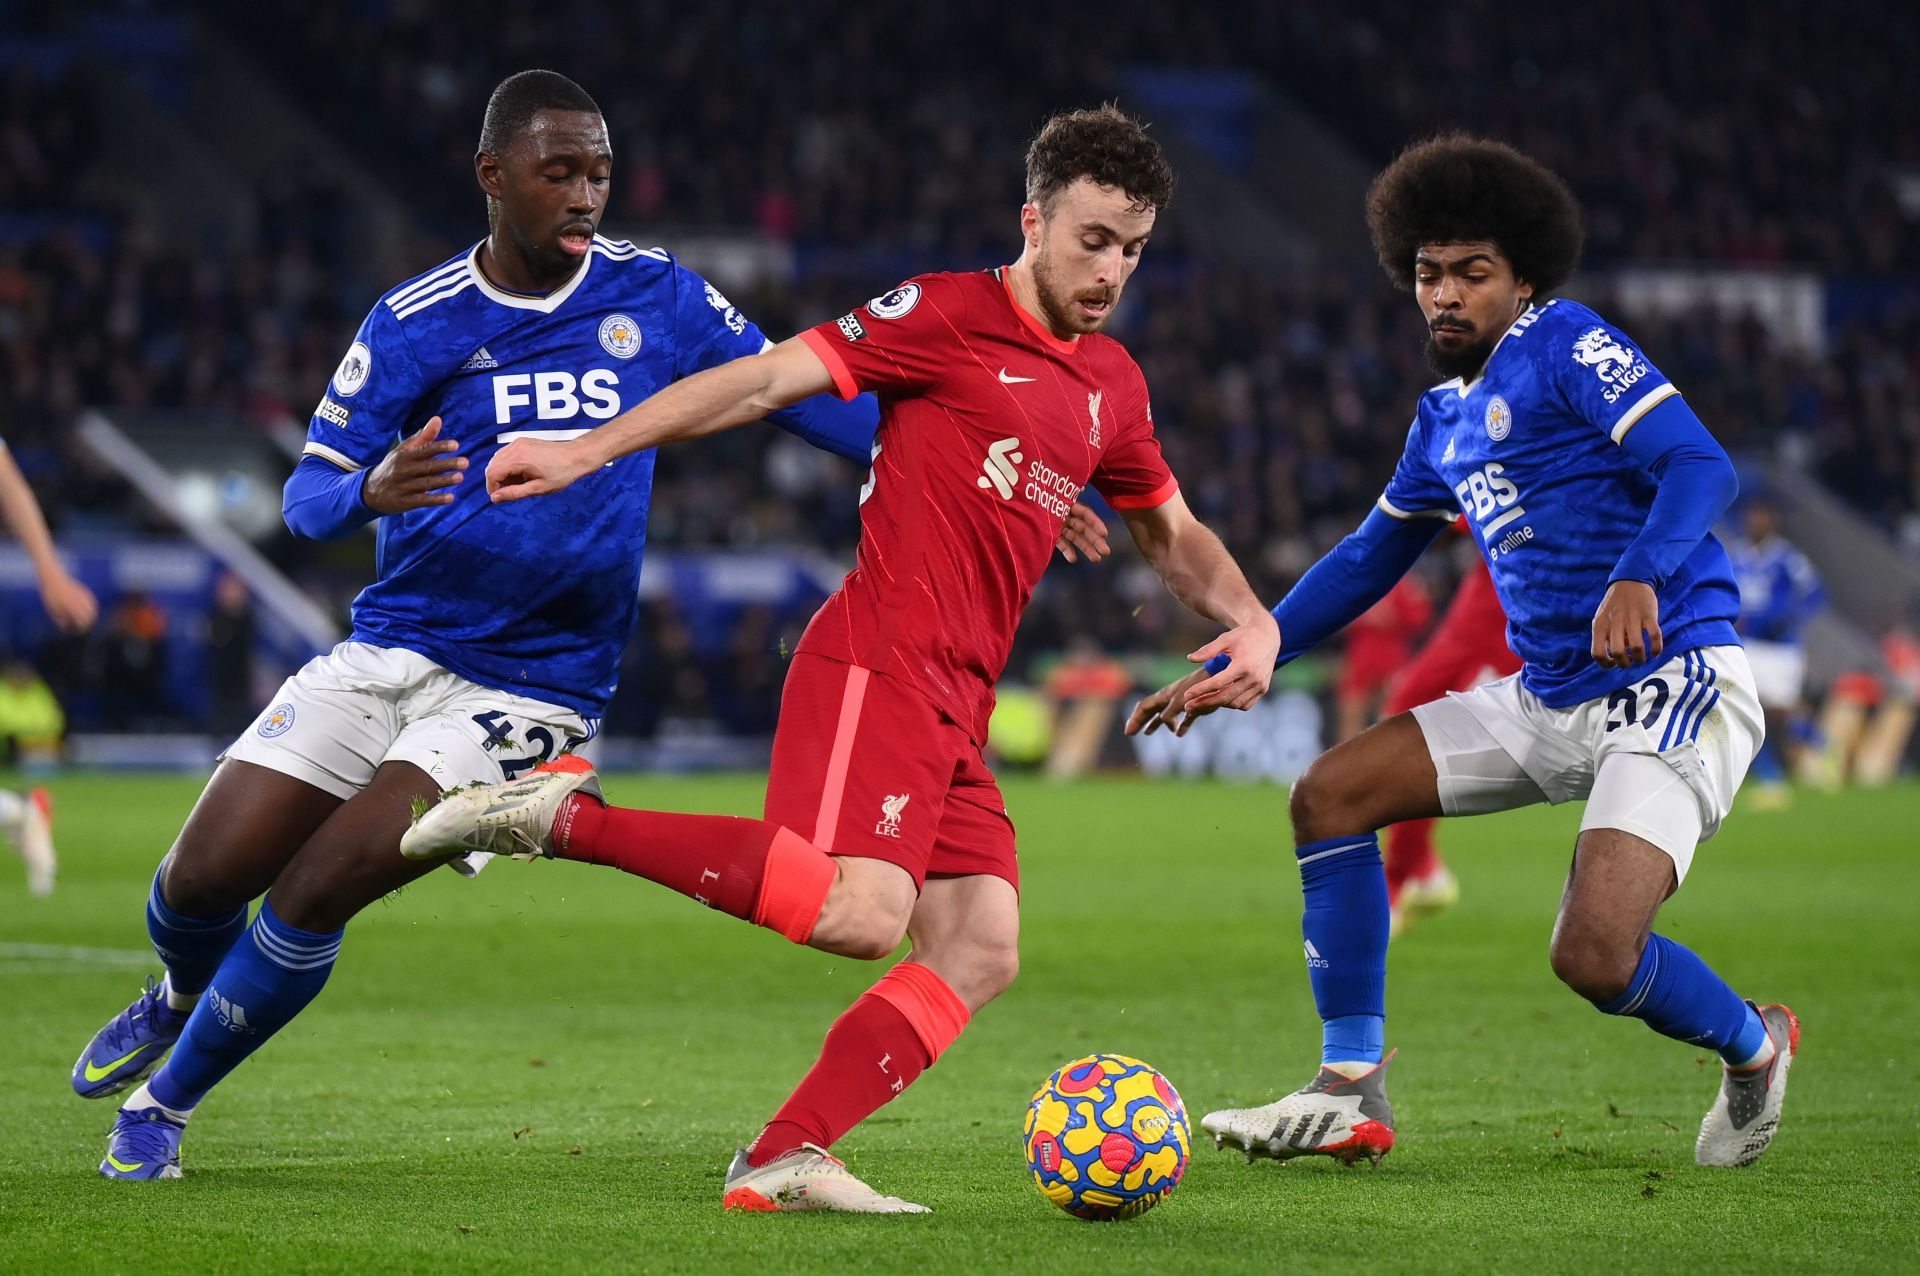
x,y
990,426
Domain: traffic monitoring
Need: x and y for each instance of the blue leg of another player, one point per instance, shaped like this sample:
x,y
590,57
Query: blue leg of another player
x,y
277,967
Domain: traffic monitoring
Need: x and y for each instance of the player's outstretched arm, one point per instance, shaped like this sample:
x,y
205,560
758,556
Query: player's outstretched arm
x,y
1353,576
1199,571
706,403
70,604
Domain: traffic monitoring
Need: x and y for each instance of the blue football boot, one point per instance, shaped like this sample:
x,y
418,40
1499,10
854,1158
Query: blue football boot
x,y
145,1144
131,1045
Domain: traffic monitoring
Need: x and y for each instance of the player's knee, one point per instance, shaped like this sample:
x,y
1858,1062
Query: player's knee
x,y
193,887
1597,965
1322,805
990,971
873,933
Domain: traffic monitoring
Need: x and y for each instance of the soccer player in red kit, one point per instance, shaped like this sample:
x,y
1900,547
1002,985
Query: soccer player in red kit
x,y
1467,648
1000,400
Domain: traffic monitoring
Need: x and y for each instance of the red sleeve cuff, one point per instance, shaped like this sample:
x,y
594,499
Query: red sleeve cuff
x,y
821,344
1146,500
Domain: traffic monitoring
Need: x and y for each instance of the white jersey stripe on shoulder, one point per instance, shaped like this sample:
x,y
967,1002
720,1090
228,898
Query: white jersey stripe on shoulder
x,y
1388,507
416,307
326,453
613,254
1651,399
426,283
658,254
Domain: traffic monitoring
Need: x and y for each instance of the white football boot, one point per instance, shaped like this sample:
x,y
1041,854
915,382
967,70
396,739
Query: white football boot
x,y
515,818
806,1178
32,835
1334,1115
1746,1112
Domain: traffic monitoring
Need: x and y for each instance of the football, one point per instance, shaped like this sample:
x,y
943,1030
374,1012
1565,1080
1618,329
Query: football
x,y
1107,1138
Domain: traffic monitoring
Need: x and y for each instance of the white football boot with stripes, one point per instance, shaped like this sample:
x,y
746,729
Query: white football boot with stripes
x,y
806,1178
1746,1112
1335,1115
515,818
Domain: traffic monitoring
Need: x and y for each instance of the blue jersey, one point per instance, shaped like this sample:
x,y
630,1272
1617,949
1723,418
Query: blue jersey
x,y
1529,450
536,597
1779,589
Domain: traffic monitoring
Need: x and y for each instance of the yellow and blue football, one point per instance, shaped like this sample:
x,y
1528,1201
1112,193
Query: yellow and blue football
x,y
1107,1138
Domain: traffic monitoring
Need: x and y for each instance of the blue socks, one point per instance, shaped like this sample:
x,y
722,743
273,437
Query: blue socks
x,y
267,979
1345,929
191,947
1679,996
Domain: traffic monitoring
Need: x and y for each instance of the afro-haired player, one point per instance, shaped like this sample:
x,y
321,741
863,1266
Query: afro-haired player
x,y
1591,487
1000,399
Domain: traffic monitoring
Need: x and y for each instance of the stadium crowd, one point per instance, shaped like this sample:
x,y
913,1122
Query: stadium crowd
x,y
892,147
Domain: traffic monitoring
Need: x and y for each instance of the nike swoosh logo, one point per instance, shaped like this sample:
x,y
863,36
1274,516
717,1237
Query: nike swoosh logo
x,y
121,1165
95,1073
1007,380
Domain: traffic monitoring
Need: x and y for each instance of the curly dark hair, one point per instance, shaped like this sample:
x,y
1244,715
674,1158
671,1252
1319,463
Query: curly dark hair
x,y
1105,144
1457,188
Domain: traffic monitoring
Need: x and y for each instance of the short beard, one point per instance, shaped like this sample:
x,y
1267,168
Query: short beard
x,y
1052,310
1463,362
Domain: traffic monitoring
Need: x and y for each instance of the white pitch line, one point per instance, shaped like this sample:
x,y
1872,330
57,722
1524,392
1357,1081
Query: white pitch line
x,y
72,955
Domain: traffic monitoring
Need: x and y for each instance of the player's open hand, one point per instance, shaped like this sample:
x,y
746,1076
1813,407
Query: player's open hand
x,y
1083,536
1626,629
1251,650
415,475
1167,707
69,604
534,467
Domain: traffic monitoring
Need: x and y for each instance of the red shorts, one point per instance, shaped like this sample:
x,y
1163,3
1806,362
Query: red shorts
x,y
1370,663
863,764
1469,646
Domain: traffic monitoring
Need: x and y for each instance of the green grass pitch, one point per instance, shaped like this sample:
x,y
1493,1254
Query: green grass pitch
x,y
548,1068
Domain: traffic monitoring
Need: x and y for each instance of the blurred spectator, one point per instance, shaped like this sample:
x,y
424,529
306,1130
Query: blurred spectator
x,y
230,635
32,724
134,661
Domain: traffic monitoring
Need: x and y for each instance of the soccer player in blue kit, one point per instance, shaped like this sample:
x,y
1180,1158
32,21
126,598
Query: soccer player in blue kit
x,y
490,640
1591,487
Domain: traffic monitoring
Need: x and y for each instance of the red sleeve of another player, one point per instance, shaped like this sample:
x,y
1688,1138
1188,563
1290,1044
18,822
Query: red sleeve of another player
x,y
901,342
1132,474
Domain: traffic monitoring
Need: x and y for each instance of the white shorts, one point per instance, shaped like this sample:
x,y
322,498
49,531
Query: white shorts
x,y
343,714
1661,758
1779,671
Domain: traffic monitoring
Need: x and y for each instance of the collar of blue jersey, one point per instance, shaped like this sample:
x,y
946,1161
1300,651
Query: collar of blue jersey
x,y
1466,387
522,301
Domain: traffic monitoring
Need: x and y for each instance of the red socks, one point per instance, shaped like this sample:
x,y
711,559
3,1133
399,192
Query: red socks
x,y
875,1050
1409,848
757,871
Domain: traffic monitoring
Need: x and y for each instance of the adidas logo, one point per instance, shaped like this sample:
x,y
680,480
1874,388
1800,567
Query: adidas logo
x,y
1314,960
1002,468
231,1014
1448,454
479,361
